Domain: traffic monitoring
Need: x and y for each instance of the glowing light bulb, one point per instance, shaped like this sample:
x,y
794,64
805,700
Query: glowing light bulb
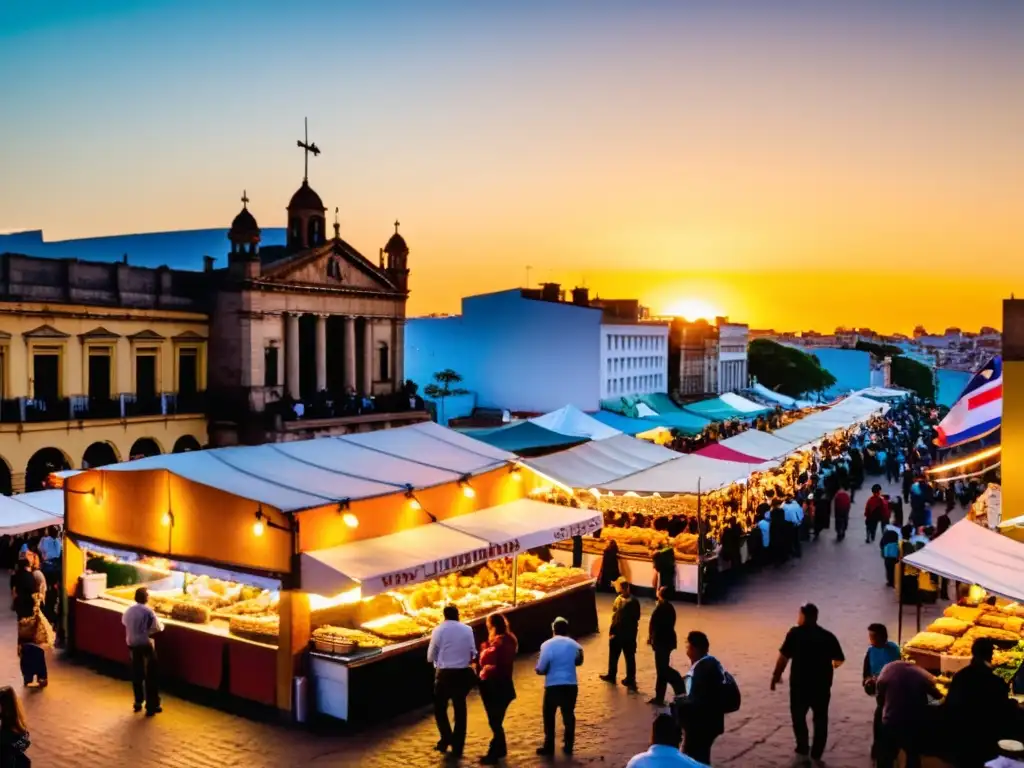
x,y
467,491
415,504
165,521
258,528
350,520
517,475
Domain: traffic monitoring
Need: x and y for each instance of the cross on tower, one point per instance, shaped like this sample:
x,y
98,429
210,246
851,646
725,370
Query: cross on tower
x,y
307,147
245,199
396,226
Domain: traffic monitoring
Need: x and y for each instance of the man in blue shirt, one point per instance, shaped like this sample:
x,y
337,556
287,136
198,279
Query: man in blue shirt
x,y
664,751
558,660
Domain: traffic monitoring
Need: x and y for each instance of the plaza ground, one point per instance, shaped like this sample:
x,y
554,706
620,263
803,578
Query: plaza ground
x,y
84,718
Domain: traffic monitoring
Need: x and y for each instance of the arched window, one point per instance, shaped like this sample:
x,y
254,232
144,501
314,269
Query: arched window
x,y
383,362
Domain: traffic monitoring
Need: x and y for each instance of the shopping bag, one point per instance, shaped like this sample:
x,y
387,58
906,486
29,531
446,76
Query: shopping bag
x,y
27,629
44,634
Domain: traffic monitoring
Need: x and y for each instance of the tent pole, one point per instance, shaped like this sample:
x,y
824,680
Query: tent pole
x,y
515,579
899,605
700,549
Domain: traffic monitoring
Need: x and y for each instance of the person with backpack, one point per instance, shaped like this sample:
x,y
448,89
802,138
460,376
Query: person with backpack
x,y
890,546
710,693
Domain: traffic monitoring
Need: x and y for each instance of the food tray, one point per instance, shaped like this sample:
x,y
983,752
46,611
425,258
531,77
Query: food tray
x,y
330,645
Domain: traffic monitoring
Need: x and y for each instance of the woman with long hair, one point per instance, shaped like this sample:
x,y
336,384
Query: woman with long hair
x,y
497,656
13,731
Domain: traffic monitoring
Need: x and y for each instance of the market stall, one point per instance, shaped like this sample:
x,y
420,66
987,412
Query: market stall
x,y
327,560
27,512
993,567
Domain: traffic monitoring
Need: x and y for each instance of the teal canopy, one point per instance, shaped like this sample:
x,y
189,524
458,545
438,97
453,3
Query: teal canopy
x,y
524,436
715,409
625,423
686,423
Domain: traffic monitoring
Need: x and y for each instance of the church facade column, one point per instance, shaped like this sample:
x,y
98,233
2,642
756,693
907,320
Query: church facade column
x,y
321,353
398,354
368,350
291,351
350,353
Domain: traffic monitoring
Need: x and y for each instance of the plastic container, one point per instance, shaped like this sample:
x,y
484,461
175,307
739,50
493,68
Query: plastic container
x,y
93,585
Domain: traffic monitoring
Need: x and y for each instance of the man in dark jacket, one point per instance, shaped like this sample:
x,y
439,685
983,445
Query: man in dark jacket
x,y
661,636
622,635
700,710
978,703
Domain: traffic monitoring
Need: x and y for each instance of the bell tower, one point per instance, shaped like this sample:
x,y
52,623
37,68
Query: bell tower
x,y
398,260
244,259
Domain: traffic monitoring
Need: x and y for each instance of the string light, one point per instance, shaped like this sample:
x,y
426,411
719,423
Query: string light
x,y
258,527
350,520
167,519
516,473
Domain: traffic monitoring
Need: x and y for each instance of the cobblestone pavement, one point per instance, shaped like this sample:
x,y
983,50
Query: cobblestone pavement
x,y
84,718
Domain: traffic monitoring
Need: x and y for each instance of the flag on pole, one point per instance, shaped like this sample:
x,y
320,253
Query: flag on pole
x,y
979,410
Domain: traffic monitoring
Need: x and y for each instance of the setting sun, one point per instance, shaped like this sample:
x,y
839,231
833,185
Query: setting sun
x,y
693,309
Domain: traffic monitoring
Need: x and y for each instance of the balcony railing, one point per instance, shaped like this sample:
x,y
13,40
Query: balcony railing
x,y
329,406
27,410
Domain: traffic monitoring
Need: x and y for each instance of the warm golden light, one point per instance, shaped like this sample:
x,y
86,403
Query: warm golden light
x,y
988,453
319,602
693,309
517,475
976,594
467,491
415,504
165,521
258,528
350,520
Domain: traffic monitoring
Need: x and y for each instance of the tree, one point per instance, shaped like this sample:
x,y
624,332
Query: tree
x,y
880,351
915,376
787,370
442,388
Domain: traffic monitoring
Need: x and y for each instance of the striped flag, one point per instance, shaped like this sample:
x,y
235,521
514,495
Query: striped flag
x,y
979,409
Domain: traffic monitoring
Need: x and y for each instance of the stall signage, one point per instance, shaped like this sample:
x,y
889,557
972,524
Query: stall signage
x,y
577,529
448,564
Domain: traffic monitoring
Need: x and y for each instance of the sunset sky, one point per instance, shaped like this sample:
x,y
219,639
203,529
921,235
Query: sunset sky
x,y
791,164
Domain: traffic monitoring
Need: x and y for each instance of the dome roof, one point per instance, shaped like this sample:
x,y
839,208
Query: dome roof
x,y
244,227
396,243
305,199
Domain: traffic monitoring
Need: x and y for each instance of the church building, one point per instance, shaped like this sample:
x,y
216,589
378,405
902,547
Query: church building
x,y
102,361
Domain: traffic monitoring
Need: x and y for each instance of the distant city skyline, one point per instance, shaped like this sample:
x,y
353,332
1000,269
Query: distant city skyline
x,y
790,166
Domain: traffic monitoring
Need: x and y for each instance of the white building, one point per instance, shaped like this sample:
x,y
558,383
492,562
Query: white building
x,y
712,358
732,356
531,351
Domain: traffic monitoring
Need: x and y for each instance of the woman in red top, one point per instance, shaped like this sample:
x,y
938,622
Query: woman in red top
x,y
497,691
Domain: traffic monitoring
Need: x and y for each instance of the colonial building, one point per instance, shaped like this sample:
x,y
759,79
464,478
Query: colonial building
x,y
712,359
100,362
312,322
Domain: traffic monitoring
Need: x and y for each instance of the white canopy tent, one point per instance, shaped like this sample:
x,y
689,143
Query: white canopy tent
x,y
525,524
306,474
427,551
777,397
687,474
570,420
886,392
970,553
763,445
31,511
741,403
595,463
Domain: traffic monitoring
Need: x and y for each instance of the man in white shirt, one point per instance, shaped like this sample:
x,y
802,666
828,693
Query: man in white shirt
x,y
452,650
50,548
558,660
140,624
664,751
794,517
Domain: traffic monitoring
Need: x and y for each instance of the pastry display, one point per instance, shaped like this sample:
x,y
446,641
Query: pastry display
x,y
963,612
194,613
962,647
329,638
931,641
948,626
551,577
396,627
993,633
260,628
